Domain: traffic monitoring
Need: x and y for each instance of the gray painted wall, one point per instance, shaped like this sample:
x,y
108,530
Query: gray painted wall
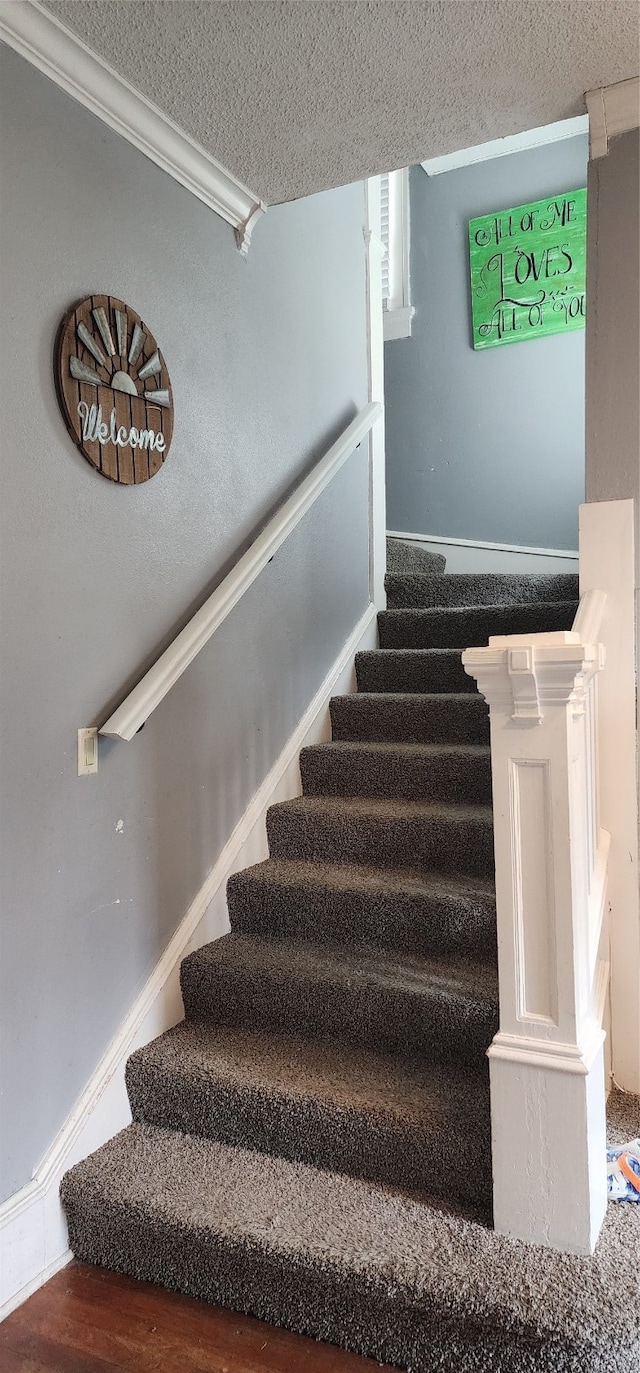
x,y
482,445
268,363
613,331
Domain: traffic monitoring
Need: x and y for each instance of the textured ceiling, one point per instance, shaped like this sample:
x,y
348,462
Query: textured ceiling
x,y
294,97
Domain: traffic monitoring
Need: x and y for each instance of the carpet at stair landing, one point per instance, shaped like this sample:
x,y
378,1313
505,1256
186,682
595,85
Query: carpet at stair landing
x,y
406,557
416,1284
312,1144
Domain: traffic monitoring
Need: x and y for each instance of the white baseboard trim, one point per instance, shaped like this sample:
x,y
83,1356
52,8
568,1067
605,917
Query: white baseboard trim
x,y
480,543
40,38
33,1235
38,1281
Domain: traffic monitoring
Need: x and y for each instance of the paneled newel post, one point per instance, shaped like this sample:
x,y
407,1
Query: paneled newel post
x,y
546,1062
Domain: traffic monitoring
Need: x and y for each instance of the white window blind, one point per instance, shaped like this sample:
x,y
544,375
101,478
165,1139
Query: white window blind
x,y
394,232
384,234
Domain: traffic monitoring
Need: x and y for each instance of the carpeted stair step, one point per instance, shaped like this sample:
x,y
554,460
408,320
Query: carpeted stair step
x,y
419,590
386,717
413,670
410,912
411,1282
394,1120
407,557
416,772
394,834
468,627
444,1009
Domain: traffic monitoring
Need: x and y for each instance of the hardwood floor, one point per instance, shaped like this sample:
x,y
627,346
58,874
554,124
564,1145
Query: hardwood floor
x,y
87,1320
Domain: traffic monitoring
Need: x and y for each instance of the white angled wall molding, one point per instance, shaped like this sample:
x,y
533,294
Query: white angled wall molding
x,y
33,1235
469,555
513,143
612,110
570,553
65,59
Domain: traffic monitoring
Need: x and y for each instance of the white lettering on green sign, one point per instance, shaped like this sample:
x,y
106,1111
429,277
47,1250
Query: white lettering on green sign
x,y
528,270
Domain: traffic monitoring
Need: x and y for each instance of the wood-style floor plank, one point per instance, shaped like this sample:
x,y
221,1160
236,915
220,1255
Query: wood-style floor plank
x,y
88,1320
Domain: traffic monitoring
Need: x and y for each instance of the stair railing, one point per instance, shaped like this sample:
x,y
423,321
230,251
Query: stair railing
x,y
546,1062
136,708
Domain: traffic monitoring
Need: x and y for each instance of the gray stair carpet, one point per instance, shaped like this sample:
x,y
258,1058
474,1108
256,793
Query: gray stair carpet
x,y
412,1281
355,1111
312,1143
344,903
405,557
418,590
462,627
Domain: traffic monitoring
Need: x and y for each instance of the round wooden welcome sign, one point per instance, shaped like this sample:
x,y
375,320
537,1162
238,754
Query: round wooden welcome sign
x,y
114,390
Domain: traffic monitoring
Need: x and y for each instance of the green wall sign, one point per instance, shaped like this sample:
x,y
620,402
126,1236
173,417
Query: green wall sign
x,y
528,269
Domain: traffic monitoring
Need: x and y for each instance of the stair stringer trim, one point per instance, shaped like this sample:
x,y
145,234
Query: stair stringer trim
x,y
33,1232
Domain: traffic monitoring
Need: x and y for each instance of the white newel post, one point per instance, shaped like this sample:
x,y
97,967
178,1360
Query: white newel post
x,y
546,1062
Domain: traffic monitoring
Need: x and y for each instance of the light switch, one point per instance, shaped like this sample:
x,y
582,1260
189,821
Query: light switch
x,y
87,752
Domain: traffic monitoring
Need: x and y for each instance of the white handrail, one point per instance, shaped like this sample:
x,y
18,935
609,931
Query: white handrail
x,y
151,690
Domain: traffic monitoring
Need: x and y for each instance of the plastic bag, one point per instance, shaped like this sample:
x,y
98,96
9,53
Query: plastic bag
x,y
623,1172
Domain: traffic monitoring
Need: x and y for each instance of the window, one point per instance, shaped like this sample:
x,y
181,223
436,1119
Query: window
x,y
394,224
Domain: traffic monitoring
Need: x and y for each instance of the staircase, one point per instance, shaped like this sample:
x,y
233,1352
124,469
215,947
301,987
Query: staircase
x,y
312,1143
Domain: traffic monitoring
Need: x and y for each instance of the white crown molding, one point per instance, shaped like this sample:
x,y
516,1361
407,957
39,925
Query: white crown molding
x,y
33,1235
513,143
612,110
65,59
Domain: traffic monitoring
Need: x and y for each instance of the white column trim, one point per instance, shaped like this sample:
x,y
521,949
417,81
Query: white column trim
x,y
374,252
546,1062
565,1058
607,562
40,38
612,110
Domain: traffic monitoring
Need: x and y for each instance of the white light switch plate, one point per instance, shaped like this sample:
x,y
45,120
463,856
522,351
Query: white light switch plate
x,y
87,752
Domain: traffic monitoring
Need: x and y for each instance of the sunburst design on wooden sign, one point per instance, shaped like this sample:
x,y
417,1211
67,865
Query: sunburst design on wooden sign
x,y
114,389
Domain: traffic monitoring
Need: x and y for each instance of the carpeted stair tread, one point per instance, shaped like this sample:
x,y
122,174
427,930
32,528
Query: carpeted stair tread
x,y
432,670
442,772
405,717
330,1079
475,589
413,1282
468,627
415,912
393,833
443,1007
406,557
395,1120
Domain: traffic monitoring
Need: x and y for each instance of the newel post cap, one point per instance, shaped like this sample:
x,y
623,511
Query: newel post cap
x,y
520,676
